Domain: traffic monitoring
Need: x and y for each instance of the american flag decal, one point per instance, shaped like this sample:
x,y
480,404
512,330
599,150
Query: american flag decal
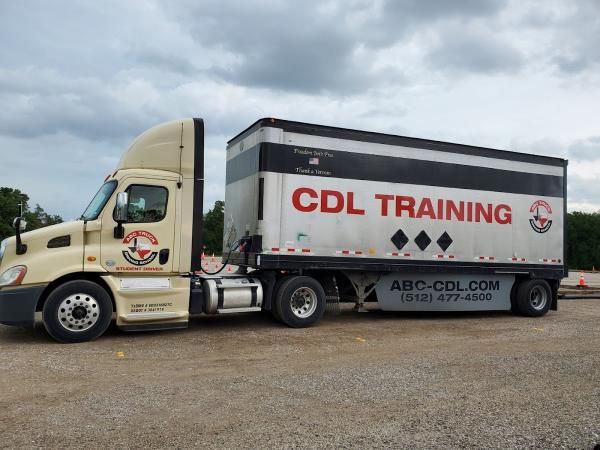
x,y
314,161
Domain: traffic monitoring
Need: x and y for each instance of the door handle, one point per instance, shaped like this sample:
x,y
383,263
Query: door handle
x,y
163,256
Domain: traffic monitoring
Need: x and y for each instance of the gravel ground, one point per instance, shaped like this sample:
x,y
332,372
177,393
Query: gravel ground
x,y
374,380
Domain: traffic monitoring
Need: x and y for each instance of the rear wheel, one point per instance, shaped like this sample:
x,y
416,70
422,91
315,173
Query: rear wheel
x,y
77,311
534,297
299,301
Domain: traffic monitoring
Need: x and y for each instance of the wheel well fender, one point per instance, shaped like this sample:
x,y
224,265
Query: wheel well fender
x,y
87,276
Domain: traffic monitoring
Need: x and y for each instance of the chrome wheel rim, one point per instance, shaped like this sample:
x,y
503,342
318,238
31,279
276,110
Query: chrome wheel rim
x,y
78,312
303,302
538,297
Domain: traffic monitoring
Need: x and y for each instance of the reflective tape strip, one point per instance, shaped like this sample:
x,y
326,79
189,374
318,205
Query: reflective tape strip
x,y
485,258
443,256
550,260
406,254
349,252
289,250
515,259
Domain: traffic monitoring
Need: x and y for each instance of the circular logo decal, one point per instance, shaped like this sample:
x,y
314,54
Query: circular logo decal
x,y
541,211
140,247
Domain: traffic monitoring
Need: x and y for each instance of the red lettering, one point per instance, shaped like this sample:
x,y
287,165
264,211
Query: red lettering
x,y
385,199
325,195
505,218
426,209
485,213
351,208
405,203
459,212
296,199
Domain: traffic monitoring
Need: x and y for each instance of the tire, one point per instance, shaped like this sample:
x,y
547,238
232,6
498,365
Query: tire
x,y
534,298
77,311
299,301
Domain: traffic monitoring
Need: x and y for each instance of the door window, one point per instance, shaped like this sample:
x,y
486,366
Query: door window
x,y
146,203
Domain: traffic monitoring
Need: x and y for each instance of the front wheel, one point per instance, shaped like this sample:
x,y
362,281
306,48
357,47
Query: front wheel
x,y
534,298
299,301
77,311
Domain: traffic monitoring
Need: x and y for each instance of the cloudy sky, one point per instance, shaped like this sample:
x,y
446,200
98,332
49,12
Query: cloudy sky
x,y
79,80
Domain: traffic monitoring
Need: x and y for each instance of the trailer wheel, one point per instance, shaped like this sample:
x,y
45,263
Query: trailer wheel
x,y
299,301
77,311
534,297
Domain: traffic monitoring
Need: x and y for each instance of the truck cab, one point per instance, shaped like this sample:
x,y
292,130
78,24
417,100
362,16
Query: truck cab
x,y
125,255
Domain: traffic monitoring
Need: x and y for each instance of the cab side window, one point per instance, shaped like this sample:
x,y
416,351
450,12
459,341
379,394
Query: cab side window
x,y
146,203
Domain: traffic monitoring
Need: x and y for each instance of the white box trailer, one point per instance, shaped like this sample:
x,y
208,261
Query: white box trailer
x,y
427,225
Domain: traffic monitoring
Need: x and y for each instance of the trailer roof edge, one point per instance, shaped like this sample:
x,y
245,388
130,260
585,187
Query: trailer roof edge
x,y
392,139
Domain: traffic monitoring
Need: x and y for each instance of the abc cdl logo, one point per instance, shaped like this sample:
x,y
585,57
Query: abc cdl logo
x,y
140,247
540,222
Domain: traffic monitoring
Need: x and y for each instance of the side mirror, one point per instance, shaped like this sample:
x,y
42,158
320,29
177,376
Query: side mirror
x,y
120,214
20,223
121,207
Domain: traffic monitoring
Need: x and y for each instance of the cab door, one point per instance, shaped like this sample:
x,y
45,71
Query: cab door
x,y
147,242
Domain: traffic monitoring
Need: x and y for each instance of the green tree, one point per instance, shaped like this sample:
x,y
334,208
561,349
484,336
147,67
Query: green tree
x,y
583,240
9,209
213,228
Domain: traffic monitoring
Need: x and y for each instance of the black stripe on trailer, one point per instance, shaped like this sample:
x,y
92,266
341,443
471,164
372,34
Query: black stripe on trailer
x,y
291,262
280,158
391,139
198,202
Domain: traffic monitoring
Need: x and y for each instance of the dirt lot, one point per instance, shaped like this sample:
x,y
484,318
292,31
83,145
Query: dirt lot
x,y
355,380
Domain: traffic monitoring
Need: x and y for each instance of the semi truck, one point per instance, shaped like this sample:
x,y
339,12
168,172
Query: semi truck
x,y
314,215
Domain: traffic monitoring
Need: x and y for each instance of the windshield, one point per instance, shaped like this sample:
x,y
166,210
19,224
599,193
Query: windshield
x,y
97,204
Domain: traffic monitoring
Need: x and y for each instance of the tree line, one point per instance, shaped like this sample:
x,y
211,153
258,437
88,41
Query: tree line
x,y
583,229
12,202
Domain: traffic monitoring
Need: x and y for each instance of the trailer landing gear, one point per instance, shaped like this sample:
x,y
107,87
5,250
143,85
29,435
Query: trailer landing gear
x,y
363,284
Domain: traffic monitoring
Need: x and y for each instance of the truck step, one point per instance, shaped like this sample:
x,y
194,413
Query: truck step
x,y
238,310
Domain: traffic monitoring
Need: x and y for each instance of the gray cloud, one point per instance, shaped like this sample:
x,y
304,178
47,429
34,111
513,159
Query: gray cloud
x,y
583,190
165,61
574,35
84,107
585,149
476,52
314,48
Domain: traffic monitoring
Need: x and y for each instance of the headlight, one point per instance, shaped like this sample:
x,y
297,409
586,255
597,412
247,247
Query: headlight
x,y
3,248
13,276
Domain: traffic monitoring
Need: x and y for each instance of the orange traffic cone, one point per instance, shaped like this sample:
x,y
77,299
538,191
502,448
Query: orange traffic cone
x,y
229,269
581,280
212,258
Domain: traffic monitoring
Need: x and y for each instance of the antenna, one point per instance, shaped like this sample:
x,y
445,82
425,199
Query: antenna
x,y
20,205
